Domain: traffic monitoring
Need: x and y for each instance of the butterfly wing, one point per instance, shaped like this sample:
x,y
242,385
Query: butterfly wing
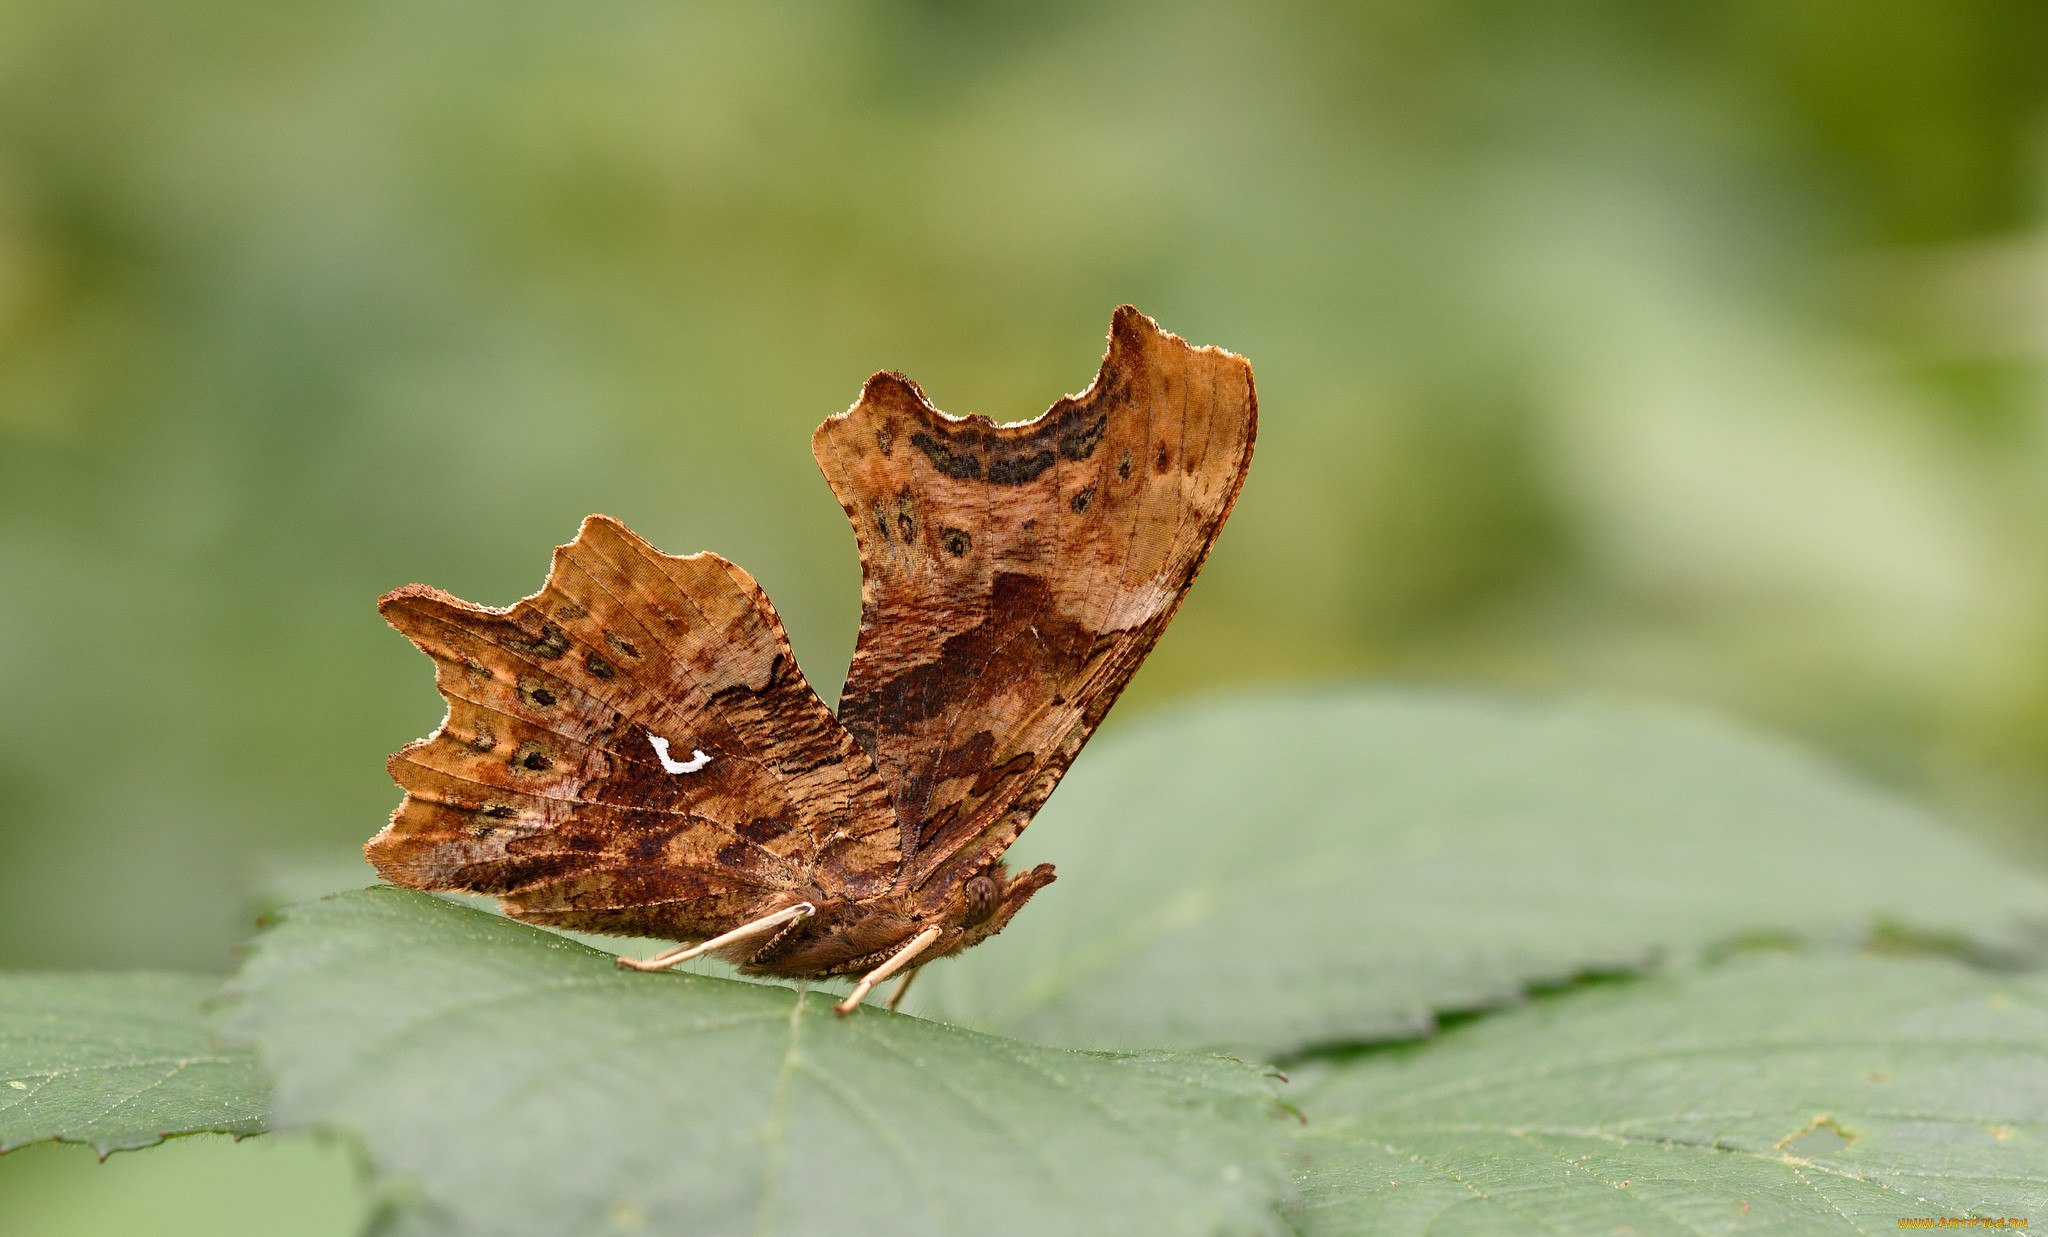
x,y
544,785
1015,576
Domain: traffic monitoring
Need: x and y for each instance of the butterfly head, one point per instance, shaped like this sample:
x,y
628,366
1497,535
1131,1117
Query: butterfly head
x,y
978,907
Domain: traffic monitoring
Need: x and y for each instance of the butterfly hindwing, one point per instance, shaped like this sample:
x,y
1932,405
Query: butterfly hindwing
x,y
544,785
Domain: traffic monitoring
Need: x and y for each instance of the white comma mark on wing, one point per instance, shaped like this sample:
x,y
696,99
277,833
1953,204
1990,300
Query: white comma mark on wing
x,y
696,761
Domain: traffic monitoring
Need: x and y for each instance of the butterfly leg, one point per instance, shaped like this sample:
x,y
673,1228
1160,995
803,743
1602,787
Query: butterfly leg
x,y
897,961
902,986
683,953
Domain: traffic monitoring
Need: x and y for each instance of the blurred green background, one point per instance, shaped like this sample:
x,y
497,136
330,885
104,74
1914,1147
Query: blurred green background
x,y
1693,350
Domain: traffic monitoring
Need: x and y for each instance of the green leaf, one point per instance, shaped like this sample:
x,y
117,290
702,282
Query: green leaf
x,y
1769,1095
507,1080
118,1061
1285,870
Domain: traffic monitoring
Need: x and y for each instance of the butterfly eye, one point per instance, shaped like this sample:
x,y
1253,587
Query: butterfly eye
x,y
983,895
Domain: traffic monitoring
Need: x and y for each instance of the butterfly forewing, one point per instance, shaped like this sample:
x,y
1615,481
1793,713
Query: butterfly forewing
x,y
1015,576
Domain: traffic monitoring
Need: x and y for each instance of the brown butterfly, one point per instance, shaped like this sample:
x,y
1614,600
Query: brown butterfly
x,y
633,750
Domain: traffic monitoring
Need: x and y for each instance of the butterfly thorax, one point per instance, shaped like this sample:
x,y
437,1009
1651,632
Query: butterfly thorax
x,y
848,935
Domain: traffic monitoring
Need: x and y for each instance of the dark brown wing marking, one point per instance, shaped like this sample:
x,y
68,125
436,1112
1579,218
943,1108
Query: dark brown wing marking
x,y
1015,576
542,785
